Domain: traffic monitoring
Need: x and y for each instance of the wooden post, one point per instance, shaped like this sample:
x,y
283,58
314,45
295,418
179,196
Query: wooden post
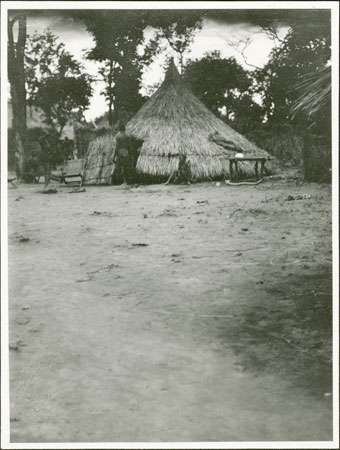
x,y
263,161
256,169
236,169
231,169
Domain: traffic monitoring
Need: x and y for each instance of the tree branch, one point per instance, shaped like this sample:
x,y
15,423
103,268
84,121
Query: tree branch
x,y
241,46
271,31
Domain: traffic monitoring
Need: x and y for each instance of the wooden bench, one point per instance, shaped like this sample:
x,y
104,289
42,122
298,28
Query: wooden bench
x,y
233,164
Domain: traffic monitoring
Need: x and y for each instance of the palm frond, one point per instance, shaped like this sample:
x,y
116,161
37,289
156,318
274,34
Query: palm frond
x,y
314,93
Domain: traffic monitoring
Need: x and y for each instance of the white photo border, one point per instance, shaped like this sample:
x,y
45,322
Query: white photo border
x,y
333,6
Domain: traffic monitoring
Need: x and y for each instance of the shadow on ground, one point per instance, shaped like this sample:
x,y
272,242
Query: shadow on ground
x,y
291,335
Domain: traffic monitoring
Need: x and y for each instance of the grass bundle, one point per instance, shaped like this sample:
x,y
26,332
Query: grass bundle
x,y
99,160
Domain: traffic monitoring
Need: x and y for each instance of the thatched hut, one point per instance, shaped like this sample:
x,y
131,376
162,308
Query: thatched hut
x,y
174,122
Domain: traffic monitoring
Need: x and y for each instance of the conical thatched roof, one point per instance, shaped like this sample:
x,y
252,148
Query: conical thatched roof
x,y
175,122
171,123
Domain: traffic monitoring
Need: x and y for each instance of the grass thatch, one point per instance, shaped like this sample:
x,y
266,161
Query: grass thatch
x,y
175,122
314,93
171,123
98,161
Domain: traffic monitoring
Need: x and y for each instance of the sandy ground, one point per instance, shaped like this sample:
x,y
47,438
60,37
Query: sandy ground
x,y
170,313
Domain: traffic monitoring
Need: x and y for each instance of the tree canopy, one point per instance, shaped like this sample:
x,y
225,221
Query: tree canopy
x,y
55,81
226,88
304,50
176,28
117,36
218,82
123,52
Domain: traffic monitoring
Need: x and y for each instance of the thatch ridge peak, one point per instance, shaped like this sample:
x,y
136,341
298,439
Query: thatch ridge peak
x,y
172,75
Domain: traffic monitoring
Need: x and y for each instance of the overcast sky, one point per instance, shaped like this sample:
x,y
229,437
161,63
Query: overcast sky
x,y
214,35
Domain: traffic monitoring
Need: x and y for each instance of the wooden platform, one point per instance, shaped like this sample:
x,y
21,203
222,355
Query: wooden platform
x,y
233,164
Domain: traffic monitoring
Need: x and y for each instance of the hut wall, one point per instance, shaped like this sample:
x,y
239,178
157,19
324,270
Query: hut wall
x,y
99,161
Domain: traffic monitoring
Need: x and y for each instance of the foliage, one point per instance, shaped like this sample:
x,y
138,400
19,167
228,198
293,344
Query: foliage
x,y
314,99
248,115
33,149
281,141
303,50
314,92
121,48
59,97
222,84
117,36
56,82
177,28
294,63
86,134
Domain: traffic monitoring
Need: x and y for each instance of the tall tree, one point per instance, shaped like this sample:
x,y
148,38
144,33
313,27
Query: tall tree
x,y
16,76
220,83
121,48
56,82
177,28
118,35
303,50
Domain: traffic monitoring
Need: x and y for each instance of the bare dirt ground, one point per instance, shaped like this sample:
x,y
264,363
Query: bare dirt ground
x,y
170,313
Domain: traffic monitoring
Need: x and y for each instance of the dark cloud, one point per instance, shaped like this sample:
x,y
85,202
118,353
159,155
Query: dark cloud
x,y
318,18
61,20
251,16
271,16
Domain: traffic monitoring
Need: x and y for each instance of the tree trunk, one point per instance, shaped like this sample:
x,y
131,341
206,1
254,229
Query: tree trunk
x,y
16,76
110,95
110,118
